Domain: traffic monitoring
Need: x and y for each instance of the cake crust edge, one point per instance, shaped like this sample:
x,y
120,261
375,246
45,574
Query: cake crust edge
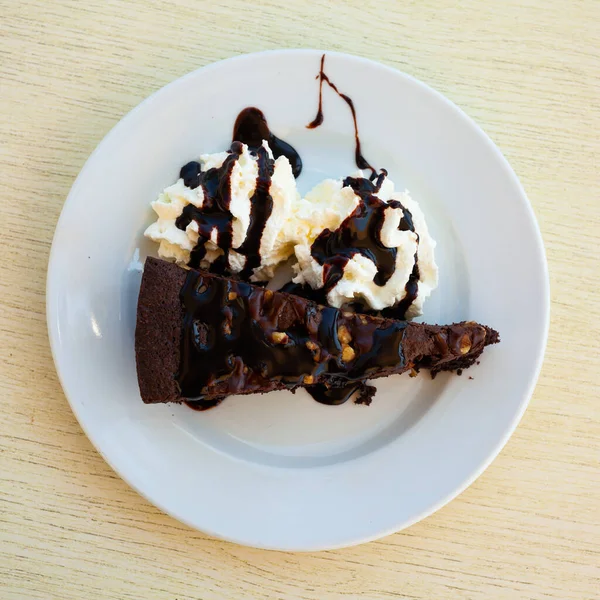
x,y
158,332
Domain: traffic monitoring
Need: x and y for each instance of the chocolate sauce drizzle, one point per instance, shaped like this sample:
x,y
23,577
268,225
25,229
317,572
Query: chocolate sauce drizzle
x,y
214,214
361,161
261,207
228,341
398,311
250,128
339,395
360,233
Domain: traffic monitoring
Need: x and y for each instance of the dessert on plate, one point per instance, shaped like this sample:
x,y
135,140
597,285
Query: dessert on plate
x,y
202,337
363,263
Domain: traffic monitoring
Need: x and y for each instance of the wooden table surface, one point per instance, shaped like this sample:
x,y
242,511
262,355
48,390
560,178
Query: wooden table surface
x,y
528,72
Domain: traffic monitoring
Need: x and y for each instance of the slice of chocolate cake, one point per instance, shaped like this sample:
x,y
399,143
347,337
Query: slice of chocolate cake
x,y
201,337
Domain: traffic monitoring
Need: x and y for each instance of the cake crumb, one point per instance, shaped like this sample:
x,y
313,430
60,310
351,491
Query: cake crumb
x,y
365,394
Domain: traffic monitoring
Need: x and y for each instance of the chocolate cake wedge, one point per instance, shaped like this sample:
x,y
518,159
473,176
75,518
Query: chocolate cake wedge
x,y
201,337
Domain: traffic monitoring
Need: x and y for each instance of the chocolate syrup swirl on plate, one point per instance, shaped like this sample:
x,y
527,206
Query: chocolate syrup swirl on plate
x,y
361,161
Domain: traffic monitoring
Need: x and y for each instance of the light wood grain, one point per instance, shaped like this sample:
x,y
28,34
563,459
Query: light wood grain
x,y
528,71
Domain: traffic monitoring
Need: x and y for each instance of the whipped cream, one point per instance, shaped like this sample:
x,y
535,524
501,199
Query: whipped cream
x,y
295,225
359,277
177,244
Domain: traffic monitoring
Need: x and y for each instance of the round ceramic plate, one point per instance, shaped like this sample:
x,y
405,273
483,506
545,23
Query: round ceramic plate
x,y
280,470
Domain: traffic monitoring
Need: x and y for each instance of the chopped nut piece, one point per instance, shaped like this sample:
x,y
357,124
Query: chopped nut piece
x,y
314,348
245,369
348,315
279,338
348,354
363,319
465,344
227,328
309,379
232,295
268,294
413,373
344,335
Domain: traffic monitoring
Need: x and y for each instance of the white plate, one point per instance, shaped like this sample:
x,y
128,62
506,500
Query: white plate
x,y
280,470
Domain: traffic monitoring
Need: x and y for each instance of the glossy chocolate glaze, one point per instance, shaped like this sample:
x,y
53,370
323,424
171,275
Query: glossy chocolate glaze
x,y
305,291
361,161
338,395
202,405
333,396
246,336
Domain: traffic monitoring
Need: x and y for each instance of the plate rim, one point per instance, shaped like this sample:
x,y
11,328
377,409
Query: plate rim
x,y
52,309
